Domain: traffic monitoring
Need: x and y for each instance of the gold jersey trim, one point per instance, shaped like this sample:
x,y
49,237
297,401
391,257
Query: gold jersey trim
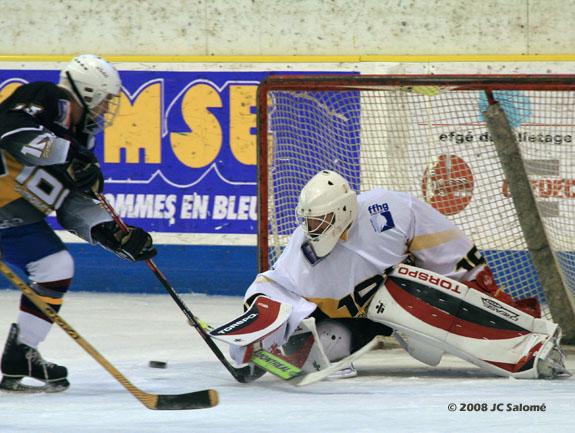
x,y
8,192
432,240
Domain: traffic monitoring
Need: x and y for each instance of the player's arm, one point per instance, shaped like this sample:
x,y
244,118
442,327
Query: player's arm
x,y
134,245
81,171
439,245
30,143
23,135
85,218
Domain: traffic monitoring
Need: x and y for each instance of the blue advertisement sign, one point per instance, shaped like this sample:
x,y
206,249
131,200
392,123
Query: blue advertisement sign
x,y
180,158
181,154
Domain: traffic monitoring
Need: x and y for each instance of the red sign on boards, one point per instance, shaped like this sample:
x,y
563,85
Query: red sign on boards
x,y
447,184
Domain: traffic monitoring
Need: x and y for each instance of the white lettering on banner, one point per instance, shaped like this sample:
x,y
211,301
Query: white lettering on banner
x,y
190,206
194,206
154,206
232,215
220,207
244,207
231,207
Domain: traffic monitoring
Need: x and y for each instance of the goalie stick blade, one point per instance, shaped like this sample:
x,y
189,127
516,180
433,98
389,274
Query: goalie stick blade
x,y
275,365
316,376
246,374
291,374
194,400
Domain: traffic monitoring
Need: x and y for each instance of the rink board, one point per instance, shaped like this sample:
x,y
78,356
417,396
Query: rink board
x,y
208,110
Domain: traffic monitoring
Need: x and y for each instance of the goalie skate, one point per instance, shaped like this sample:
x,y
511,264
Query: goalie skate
x,y
20,361
551,359
345,373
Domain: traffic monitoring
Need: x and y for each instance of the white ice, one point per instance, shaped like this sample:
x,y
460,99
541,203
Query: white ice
x,y
392,393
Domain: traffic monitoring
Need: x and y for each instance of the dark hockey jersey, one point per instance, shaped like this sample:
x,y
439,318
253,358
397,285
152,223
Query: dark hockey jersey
x,y
36,135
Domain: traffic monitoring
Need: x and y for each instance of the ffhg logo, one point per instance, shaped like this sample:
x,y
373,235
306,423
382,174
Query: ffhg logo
x,y
381,219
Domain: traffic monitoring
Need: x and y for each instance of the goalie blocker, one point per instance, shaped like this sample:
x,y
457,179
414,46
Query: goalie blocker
x,y
433,315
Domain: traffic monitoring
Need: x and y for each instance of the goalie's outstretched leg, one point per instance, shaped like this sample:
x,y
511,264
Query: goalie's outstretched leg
x,y
433,314
20,360
550,360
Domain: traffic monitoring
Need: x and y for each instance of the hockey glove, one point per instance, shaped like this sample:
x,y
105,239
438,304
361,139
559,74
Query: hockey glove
x,y
85,172
134,245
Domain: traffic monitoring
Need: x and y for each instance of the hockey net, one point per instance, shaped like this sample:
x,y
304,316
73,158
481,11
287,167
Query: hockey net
x,y
427,135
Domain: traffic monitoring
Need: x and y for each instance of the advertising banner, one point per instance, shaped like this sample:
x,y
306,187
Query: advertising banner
x,y
178,161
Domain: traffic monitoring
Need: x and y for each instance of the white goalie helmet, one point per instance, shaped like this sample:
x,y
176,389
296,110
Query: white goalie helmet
x,y
95,84
327,207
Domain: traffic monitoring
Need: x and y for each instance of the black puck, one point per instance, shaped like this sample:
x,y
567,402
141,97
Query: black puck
x,y
157,364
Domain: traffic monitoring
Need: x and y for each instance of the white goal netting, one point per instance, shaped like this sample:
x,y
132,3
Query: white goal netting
x,y
433,142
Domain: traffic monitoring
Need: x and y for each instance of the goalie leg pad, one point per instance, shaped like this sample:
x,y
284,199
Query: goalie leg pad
x,y
438,312
304,348
335,339
419,348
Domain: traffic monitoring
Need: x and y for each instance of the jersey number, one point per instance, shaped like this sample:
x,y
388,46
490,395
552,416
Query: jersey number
x,y
362,294
41,188
472,259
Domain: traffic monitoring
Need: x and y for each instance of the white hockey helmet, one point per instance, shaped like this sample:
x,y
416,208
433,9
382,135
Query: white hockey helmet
x,y
95,84
327,207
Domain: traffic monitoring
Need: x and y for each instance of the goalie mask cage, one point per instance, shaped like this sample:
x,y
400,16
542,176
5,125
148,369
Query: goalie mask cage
x,y
495,154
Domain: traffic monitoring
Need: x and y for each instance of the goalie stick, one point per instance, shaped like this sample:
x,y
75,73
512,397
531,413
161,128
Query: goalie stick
x,y
193,400
242,374
304,379
261,358
281,367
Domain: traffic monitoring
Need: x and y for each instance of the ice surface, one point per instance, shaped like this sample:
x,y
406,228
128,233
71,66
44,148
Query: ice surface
x,y
393,392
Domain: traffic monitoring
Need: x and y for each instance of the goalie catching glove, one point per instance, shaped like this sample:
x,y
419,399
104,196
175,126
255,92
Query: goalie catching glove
x,y
134,245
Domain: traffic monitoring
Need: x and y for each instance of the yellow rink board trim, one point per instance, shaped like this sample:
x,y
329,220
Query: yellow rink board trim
x,y
304,59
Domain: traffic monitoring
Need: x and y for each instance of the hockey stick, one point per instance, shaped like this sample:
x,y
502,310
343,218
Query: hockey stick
x,y
309,378
293,375
193,400
242,374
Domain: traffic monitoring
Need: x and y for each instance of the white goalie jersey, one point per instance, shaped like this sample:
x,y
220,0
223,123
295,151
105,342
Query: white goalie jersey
x,y
390,227
430,313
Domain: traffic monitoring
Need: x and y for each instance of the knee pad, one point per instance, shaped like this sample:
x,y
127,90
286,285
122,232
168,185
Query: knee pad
x,y
335,339
54,267
51,277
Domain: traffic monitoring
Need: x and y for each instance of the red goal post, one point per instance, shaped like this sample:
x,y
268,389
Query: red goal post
x,y
494,153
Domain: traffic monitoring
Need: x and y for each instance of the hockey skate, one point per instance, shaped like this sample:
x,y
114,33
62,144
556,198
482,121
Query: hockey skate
x,y
20,361
550,360
345,373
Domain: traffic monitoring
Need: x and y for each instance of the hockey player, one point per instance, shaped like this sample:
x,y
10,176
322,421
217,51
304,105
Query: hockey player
x,y
348,265
47,134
